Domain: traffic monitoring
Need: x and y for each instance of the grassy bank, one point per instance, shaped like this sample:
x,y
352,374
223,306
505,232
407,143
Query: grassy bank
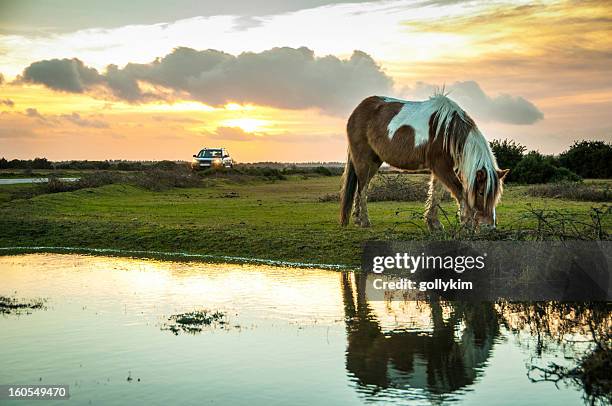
x,y
291,219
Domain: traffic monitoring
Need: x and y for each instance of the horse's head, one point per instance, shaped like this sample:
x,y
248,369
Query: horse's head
x,y
481,196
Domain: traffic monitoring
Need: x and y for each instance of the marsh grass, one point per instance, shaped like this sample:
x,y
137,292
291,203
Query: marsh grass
x,y
11,305
395,187
194,322
534,224
163,177
259,218
578,191
154,179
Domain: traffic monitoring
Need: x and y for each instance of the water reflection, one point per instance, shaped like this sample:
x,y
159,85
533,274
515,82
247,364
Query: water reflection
x,y
440,357
584,330
443,353
305,337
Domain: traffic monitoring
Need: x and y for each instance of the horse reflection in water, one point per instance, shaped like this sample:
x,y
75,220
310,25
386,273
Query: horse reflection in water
x,y
446,358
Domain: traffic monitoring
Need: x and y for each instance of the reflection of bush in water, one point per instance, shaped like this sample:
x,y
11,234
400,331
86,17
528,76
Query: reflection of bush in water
x,y
193,322
11,305
561,323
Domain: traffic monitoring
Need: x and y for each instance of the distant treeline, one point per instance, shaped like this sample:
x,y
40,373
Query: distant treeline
x,y
43,163
266,169
584,159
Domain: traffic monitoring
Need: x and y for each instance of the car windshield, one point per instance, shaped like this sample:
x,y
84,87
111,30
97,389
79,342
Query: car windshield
x,y
210,153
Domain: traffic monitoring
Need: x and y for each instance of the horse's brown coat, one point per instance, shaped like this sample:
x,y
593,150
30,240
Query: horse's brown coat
x,y
370,145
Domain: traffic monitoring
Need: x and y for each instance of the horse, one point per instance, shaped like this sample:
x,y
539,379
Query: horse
x,y
435,134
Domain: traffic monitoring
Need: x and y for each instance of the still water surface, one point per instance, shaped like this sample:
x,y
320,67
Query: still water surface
x,y
293,336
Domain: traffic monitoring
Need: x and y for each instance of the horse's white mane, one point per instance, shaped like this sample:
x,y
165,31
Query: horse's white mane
x,y
470,156
476,154
417,115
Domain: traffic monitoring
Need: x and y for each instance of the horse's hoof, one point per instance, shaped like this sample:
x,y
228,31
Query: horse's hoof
x,y
365,224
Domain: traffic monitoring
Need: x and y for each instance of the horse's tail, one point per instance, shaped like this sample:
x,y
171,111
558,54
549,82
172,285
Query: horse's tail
x,y
347,194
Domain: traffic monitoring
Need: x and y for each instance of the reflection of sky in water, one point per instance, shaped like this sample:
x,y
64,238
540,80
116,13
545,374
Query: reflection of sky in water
x,y
288,341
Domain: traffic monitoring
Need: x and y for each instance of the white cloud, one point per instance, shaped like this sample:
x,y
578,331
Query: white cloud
x,y
280,77
502,108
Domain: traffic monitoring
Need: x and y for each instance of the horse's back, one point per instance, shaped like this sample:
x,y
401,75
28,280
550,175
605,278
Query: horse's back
x,y
369,124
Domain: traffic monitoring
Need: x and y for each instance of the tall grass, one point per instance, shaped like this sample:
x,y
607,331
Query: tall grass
x,y
396,187
152,179
533,225
572,191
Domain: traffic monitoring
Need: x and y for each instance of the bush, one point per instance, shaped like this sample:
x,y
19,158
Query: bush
x,y
589,159
572,191
536,168
508,154
55,185
97,179
82,165
321,170
165,165
41,163
158,179
129,166
397,188
89,180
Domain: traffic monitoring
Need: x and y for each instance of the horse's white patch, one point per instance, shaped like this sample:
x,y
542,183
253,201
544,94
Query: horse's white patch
x,y
417,115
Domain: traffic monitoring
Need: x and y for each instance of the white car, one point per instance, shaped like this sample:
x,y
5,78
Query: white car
x,y
212,158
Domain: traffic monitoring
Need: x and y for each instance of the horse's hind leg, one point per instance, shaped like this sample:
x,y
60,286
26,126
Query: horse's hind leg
x,y
366,166
431,207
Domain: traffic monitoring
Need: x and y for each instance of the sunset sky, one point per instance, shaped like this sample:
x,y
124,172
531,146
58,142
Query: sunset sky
x,y
276,80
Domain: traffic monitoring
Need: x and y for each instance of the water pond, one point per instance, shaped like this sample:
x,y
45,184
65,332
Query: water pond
x,y
137,331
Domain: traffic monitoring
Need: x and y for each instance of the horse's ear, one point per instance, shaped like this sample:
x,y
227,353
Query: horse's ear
x,y
481,175
501,173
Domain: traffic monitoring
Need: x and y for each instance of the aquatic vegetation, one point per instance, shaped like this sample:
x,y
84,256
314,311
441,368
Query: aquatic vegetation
x,y
195,321
11,305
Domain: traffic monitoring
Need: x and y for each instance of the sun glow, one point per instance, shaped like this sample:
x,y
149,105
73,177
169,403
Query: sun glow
x,y
247,124
239,107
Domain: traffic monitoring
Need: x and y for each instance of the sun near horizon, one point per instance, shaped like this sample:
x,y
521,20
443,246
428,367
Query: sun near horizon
x,y
162,83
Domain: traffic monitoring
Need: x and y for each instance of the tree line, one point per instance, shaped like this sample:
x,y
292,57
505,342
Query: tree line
x,y
584,159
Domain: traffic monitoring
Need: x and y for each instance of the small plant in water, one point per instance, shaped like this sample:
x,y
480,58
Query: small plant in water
x,y
11,305
195,321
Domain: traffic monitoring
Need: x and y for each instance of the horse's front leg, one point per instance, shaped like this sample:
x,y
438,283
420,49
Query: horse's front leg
x,y
431,207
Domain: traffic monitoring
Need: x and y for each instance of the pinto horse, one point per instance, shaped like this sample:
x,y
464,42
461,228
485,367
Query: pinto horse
x,y
435,134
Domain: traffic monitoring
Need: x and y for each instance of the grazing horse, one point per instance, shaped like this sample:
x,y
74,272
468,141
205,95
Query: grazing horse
x,y
435,134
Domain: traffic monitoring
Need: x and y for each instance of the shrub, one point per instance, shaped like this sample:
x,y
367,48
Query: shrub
x,y
41,163
397,187
55,185
508,154
157,179
97,179
536,168
321,170
589,159
129,166
166,165
572,191
82,165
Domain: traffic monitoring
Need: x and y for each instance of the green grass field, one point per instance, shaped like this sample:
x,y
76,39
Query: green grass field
x,y
280,220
